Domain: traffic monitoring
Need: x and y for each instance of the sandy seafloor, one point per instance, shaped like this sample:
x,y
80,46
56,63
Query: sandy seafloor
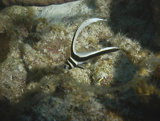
x,y
120,86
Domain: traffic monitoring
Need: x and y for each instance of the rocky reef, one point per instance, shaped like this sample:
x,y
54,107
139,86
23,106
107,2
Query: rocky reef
x,y
33,2
35,44
156,13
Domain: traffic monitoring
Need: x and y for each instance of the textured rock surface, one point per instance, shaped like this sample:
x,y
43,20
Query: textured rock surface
x,y
35,43
34,2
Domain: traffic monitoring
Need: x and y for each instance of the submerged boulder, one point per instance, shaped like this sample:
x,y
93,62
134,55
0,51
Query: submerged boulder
x,y
156,15
35,44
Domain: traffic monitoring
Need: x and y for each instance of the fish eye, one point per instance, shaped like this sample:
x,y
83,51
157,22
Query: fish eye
x,y
66,66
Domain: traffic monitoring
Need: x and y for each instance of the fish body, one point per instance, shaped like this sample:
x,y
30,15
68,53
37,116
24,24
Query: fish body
x,y
78,58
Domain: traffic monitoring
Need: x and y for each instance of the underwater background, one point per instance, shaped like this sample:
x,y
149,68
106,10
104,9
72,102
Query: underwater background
x,y
35,42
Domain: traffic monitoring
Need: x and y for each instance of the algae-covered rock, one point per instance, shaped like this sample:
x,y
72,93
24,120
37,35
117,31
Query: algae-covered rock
x,y
12,75
33,2
35,44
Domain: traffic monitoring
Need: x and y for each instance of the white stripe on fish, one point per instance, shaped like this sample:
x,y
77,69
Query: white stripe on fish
x,y
78,58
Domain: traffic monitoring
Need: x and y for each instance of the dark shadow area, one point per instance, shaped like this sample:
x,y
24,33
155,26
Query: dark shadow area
x,y
134,19
37,28
91,3
4,108
124,102
2,6
4,46
124,71
13,111
32,38
38,73
131,106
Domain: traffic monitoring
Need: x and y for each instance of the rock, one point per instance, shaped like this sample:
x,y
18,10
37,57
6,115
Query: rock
x,y
2,30
34,2
156,16
123,85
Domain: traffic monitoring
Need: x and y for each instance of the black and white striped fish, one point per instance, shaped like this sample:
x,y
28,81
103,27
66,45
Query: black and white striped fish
x,y
78,58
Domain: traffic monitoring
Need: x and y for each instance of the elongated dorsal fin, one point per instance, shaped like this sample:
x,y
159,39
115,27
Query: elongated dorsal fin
x,y
78,58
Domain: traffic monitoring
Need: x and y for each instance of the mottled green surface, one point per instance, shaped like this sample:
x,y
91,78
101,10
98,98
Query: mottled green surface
x,y
35,43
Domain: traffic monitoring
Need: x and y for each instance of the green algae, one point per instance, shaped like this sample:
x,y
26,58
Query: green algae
x,y
21,16
15,18
58,28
